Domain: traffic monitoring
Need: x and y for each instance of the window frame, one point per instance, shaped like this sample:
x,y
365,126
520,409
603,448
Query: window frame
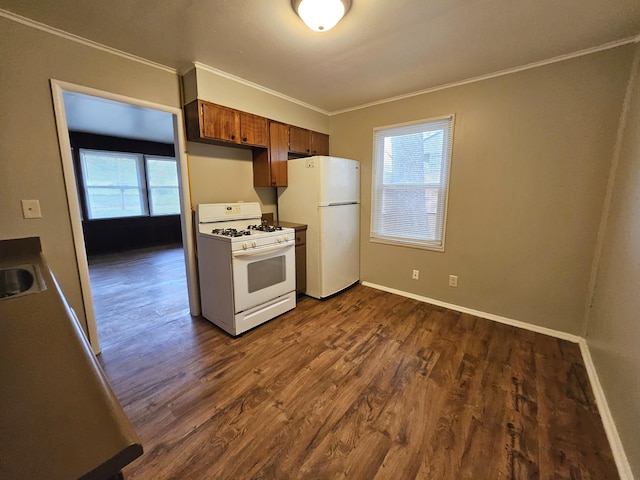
x,y
150,187
143,187
377,185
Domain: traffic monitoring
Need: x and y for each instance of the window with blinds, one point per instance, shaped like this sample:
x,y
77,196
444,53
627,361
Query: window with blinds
x,y
410,183
119,184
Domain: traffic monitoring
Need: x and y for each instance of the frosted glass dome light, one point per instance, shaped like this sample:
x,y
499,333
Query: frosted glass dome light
x,y
321,15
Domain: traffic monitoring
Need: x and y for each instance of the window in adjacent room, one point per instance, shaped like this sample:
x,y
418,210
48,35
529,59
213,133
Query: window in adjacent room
x,y
410,183
162,180
118,184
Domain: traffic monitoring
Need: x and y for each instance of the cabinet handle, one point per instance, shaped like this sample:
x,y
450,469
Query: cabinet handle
x,y
233,137
244,139
307,150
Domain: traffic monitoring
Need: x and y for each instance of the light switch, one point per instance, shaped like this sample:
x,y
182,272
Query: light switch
x,y
31,209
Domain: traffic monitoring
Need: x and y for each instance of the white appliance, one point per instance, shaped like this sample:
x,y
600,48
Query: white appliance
x,y
324,193
246,269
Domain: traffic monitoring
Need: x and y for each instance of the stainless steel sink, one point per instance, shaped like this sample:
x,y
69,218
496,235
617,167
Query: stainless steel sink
x,y
20,280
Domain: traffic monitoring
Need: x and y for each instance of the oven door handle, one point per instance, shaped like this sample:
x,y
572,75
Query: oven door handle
x,y
263,250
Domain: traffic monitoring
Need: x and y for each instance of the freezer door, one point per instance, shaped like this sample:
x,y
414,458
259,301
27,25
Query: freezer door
x,y
339,252
338,180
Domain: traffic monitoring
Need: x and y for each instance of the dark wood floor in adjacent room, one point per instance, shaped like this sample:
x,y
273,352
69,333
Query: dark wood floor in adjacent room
x,y
364,385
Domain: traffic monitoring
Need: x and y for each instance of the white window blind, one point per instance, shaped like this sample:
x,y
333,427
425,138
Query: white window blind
x,y
410,183
114,184
162,185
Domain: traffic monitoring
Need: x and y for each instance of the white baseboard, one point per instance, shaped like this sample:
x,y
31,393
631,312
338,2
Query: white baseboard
x,y
622,463
624,469
489,316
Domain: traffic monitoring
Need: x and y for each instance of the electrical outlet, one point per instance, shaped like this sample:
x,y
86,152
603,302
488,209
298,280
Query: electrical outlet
x,y
416,274
453,280
31,209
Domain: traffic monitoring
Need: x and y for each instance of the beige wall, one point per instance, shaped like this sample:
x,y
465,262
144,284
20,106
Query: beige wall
x,y
224,174
613,331
224,91
30,162
531,155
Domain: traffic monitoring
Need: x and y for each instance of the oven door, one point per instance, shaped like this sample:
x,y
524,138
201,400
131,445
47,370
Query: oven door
x,y
262,274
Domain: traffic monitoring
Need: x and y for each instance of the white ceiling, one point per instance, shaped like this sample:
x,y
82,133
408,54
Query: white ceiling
x,y
86,113
381,49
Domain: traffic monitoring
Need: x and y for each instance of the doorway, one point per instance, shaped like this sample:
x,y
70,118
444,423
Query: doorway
x,y
58,90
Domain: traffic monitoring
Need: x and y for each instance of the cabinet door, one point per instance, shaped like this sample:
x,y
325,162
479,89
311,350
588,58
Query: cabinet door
x,y
220,123
270,164
278,154
319,143
299,140
301,269
254,129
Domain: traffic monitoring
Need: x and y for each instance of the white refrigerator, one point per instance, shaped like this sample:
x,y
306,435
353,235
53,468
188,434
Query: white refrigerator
x,y
324,193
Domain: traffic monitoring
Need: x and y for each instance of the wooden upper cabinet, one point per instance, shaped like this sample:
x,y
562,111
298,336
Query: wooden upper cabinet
x,y
319,143
278,154
211,123
307,142
271,142
220,123
270,165
254,130
299,140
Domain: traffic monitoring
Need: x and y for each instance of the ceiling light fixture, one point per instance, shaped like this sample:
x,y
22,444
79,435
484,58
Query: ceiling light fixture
x,y
321,15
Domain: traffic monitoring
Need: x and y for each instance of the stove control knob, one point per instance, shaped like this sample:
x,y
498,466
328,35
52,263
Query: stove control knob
x,y
280,239
254,244
245,245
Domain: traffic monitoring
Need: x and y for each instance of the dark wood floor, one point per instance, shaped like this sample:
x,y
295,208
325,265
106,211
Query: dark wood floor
x,y
137,292
364,385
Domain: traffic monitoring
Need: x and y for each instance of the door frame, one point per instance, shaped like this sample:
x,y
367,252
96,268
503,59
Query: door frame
x,y
186,219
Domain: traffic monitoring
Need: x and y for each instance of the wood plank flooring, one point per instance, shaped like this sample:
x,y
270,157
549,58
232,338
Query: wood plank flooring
x,y
137,291
365,385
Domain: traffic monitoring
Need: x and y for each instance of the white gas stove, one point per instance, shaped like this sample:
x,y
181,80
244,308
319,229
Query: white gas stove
x,y
246,268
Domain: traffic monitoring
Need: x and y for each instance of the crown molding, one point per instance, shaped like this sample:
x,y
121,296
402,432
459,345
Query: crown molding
x,y
509,71
83,41
242,81
90,43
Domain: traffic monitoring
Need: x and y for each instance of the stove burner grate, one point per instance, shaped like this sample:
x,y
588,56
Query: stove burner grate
x,y
230,232
264,228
